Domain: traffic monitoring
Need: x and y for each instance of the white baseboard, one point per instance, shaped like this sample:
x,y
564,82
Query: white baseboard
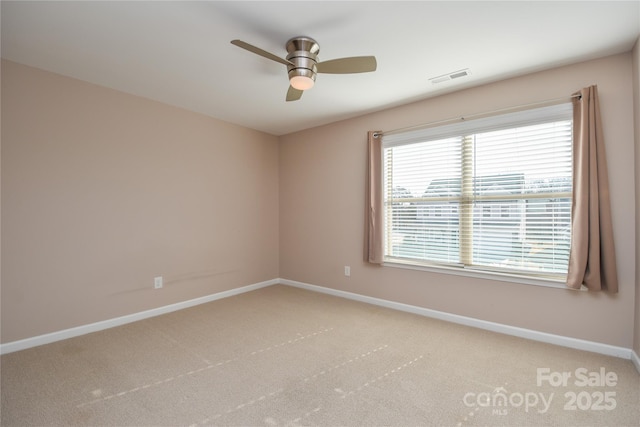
x,y
579,344
106,324
636,360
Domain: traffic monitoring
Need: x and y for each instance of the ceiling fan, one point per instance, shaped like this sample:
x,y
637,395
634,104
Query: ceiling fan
x,y
303,66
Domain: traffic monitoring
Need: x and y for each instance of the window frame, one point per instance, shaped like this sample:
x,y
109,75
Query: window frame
x,y
462,128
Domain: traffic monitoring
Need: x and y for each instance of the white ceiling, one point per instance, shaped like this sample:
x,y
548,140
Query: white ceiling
x,y
179,52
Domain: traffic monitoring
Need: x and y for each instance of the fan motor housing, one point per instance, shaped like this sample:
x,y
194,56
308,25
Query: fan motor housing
x,y
303,53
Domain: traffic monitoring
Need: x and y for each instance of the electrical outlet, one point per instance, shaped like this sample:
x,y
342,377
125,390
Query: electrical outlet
x,y
157,282
347,270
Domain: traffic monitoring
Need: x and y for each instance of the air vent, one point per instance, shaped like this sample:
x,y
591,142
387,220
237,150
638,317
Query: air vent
x,y
450,76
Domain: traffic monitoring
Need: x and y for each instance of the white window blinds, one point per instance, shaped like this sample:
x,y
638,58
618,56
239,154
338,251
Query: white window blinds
x,y
491,193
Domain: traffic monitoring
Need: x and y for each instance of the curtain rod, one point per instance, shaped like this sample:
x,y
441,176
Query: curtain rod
x,y
462,118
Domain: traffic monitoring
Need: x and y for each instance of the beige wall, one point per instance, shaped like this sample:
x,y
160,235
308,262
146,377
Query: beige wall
x,y
322,197
636,116
102,191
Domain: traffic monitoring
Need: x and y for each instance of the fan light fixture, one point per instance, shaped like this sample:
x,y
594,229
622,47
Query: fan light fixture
x,y
301,79
301,82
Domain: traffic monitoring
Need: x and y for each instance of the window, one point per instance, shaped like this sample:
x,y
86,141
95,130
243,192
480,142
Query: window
x,y
491,194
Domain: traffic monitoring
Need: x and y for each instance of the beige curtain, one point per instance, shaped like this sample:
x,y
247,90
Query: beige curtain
x,y
373,233
592,261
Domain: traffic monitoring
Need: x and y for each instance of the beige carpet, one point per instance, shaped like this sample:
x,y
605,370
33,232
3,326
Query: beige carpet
x,y
283,356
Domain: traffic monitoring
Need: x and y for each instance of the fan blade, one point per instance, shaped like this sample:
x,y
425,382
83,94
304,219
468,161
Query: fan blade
x,y
294,94
355,64
260,52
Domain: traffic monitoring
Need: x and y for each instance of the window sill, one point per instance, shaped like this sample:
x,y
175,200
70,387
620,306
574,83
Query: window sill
x,y
479,274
